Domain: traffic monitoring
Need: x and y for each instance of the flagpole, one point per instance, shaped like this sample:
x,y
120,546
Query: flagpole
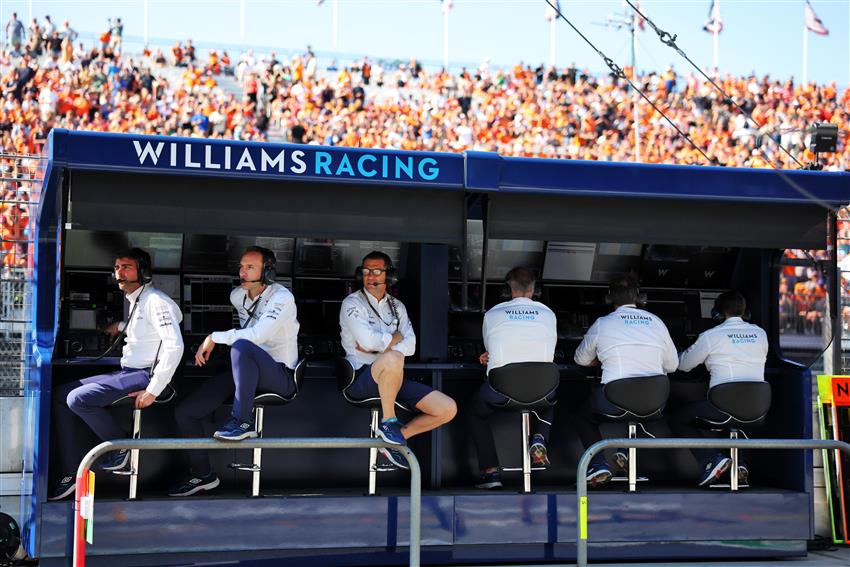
x,y
552,42
805,56
635,99
336,24
445,38
716,42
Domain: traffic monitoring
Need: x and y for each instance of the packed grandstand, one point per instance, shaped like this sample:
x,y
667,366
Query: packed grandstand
x,y
52,80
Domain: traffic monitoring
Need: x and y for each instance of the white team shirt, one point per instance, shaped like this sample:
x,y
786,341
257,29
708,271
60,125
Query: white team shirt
x,y
154,327
733,351
519,330
629,342
273,326
365,321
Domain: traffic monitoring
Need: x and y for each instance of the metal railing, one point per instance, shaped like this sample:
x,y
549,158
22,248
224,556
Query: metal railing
x,y
581,487
79,556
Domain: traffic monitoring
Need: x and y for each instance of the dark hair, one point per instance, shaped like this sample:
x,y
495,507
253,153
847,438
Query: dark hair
x,y
268,255
731,304
378,255
624,290
138,255
520,279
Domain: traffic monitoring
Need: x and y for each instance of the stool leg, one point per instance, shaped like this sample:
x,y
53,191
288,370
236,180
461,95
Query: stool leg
x,y
733,452
258,453
134,454
632,459
373,454
526,458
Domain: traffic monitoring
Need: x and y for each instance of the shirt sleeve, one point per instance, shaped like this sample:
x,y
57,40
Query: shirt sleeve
x,y
407,345
279,312
586,351
165,317
696,354
354,319
670,361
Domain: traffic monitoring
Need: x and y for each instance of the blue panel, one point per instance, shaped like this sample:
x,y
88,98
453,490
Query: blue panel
x,y
674,181
483,170
501,518
244,160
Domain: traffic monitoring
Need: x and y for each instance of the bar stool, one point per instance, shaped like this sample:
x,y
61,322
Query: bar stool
x,y
167,395
260,402
637,400
344,379
741,404
527,386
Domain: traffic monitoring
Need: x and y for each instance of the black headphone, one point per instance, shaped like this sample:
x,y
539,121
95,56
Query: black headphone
x,y
392,272
640,297
269,263
143,264
718,315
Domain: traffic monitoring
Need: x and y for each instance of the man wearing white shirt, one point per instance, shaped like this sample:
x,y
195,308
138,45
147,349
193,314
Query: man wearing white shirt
x,y
152,352
628,343
519,330
377,335
263,356
733,351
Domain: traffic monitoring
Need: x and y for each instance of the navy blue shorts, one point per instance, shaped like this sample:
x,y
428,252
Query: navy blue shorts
x,y
364,387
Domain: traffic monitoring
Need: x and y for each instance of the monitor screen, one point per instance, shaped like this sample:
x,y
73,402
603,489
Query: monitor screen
x,y
165,248
590,261
502,255
324,257
93,248
206,253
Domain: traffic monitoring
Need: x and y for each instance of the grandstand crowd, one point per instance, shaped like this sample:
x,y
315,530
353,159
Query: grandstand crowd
x,y
49,79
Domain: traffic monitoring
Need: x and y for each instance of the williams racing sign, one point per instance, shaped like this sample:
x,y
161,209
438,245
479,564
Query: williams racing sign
x,y
189,156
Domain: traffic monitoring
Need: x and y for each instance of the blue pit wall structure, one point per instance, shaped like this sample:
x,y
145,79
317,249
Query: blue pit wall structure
x,y
314,511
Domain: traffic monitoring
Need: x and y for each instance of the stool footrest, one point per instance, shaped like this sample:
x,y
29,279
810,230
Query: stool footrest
x,y
626,479
250,467
384,468
124,472
727,485
519,469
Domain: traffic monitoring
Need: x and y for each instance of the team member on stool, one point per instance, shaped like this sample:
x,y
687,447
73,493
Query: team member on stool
x,y
263,354
733,351
519,330
152,352
377,334
629,343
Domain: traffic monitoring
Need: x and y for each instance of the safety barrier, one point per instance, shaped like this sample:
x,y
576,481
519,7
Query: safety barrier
x,y
79,557
581,487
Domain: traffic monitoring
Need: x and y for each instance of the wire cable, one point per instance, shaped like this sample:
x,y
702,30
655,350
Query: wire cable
x,y
620,74
670,40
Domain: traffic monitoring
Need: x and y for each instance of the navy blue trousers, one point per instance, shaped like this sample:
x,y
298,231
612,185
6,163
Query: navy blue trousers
x,y
252,370
87,399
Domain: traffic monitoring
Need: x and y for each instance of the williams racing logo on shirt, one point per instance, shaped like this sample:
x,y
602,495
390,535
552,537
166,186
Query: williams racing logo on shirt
x,y
522,314
635,319
742,338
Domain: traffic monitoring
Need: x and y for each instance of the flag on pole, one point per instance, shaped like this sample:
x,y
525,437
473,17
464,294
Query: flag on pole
x,y
714,24
813,23
447,5
552,13
641,22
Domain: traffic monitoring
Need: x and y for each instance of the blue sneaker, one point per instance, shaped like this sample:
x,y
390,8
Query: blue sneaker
x,y
66,487
194,484
390,431
235,429
396,457
714,469
597,475
116,460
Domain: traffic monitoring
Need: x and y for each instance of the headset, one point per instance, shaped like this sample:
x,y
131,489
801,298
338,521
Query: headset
x,y
269,265
143,265
718,315
392,272
640,297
